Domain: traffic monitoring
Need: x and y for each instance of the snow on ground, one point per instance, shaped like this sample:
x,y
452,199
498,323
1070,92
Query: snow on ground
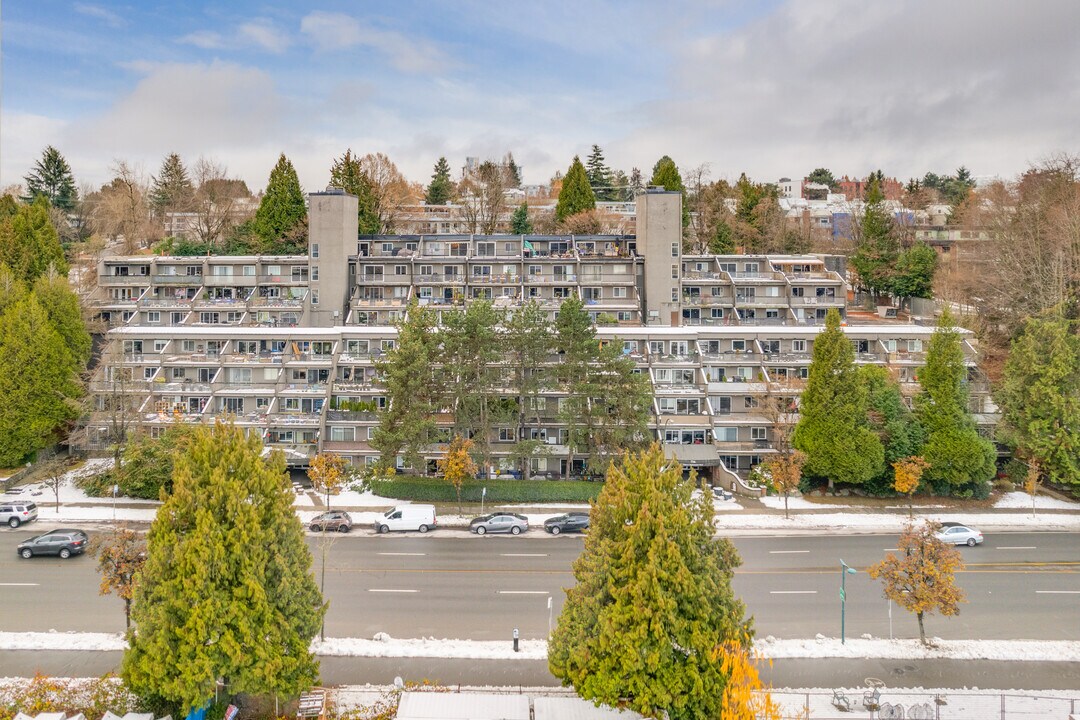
x,y
1022,501
387,647
797,503
61,641
871,522
823,647
351,498
974,704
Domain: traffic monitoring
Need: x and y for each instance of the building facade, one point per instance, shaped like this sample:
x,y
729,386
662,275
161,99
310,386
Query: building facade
x,y
288,345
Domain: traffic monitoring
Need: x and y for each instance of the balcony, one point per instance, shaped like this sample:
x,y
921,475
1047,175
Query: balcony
x,y
192,280
107,280
352,415
276,302
294,419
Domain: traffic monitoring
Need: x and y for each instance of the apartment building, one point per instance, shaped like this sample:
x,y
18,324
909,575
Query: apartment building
x,y
288,345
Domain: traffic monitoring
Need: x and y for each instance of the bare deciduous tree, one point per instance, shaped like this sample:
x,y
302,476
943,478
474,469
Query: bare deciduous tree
x,y
390,191
216,207
483,197
120,208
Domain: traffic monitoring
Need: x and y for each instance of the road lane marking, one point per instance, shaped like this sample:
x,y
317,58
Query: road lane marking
x,y
524,554
384,590
892,550
403,554
524,592
787,552
19,584
1016,547
1057,592
793,592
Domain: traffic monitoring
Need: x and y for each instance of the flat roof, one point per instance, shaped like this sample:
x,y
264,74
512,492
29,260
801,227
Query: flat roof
x,y
471,706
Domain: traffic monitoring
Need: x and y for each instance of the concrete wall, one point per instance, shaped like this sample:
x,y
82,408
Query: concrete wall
x,y
659,239
332,227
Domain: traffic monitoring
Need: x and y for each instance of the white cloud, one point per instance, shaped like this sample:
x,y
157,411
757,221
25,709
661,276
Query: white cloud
x,y
205,39
23,138
106,16
906,86
264,34
337,31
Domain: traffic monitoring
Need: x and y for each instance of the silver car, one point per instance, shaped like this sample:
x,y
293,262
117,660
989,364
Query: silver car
x,y
14,513
501,522
952,533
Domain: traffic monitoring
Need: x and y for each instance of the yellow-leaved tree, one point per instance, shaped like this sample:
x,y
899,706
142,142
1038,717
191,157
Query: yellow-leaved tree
x,y
327,473
907,475
922,579
458,465
785,473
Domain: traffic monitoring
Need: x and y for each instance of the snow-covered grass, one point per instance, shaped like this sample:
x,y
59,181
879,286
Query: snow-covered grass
x,y
880,648
873,522
62,641
1022,501
797,503
385,646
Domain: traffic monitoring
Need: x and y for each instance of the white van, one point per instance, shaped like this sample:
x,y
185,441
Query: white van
x,y
407,517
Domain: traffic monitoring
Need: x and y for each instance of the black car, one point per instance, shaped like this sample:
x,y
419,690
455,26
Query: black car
x,y
571,522
64,542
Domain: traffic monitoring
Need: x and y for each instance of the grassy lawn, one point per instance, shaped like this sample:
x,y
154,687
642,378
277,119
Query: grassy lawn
x,y
420,489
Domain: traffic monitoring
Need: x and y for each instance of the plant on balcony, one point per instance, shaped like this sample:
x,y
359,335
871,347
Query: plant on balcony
x,y
606,319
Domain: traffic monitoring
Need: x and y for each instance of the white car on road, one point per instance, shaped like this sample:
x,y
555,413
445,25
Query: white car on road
x,y
956,534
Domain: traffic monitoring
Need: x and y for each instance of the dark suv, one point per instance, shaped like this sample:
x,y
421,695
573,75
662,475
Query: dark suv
x,y
64,542
336,520
571,522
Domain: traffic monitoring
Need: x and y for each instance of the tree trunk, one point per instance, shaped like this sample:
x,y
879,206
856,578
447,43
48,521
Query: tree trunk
x,y
127,613
922,630
786,517
322,584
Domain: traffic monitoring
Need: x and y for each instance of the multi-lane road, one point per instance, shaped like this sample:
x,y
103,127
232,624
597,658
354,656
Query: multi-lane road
x,y
1018,585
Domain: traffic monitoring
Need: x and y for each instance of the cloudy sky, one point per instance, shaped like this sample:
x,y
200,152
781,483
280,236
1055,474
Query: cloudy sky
x,y
770,88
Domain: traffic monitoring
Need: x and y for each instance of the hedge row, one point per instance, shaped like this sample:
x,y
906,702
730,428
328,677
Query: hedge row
x,y
519,491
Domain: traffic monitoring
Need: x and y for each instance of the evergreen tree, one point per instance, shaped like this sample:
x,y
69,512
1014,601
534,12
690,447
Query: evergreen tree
x,y
29,244
653,606
12,289
832,428
62,306
51,179
575,341
348,174
877,248
599,174
408,375
637,183
282,207
226,592
914,272
957,454
519,221
441,188
889,418
513,172
620,402
1040,396
172,190
621,190
666,175
823,176
528,343
576,194
37,381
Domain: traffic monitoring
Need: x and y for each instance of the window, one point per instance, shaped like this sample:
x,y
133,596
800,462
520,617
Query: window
x,y
798,346
401,269
153,317
506,435
797,292
674,249
342,434
388,247
177,318
234,317
373,273
208,318
591,293
727,434
221,270
717,313
757,433
314,297
738,345
751,267
619,292
674,272
194,270
149,372
727,267
750,402
674,294
160,345
656,347
299,273
314,250
770,347
248,270
314,273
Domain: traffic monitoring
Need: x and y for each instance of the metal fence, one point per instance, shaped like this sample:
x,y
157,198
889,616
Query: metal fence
x,y
925,705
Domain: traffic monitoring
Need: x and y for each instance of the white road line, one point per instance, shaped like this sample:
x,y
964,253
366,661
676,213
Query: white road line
x,y
793,592
19,584
524,592
403,554
1016,547
524,554
1057,592
892,550
390,591
787,552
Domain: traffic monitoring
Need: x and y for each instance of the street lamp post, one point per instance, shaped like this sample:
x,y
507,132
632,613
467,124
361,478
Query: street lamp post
x,y
844,570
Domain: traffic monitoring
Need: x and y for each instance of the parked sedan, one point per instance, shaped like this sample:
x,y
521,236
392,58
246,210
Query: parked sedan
x,y
500,522
334,521
953,533
571,522
64,542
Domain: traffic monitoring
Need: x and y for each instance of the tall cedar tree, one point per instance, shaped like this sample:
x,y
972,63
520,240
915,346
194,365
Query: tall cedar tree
x,y
528,342
576,194
513,172
172,190
922,578
347,174
471,374
407,372
823,176
51,179
600,176
12,289
665,174
519,221
1040,396
832,428
957,454
914,274
37,381
441,187
282,207
575,341
29,243
892,421
62,306
226,592
878,248
653,601
620,403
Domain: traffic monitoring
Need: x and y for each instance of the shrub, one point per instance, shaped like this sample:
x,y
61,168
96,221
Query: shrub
x,y
90,696
521,491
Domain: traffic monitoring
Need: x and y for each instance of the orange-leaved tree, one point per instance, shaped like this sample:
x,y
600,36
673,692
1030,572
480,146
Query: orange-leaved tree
x,y
458,465
1032,481
785,473
922,578
907,475
120,554
327,473
745,697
